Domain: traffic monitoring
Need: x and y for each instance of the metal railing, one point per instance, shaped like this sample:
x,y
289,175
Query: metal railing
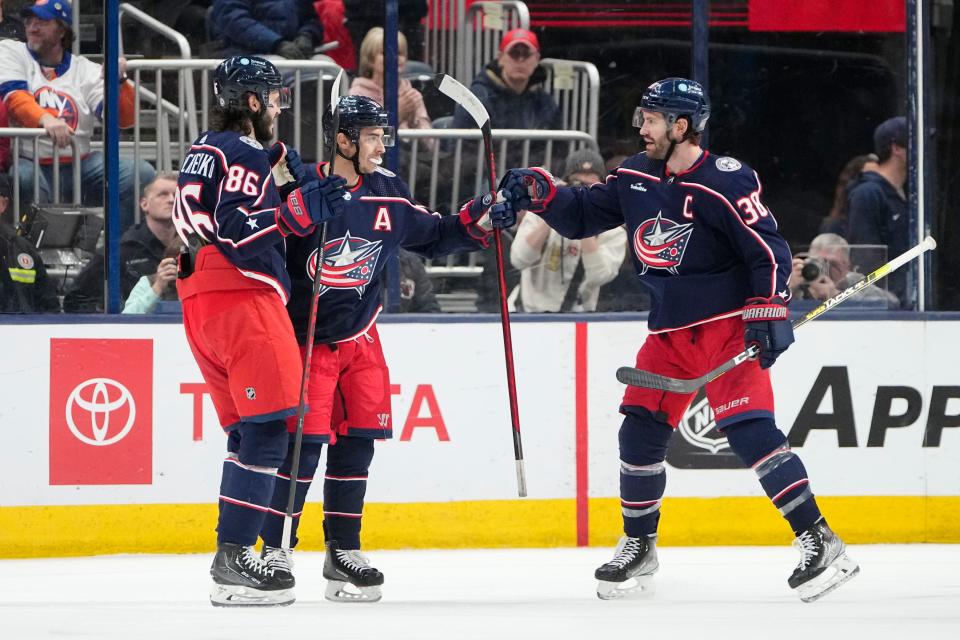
x,y
17,136
446,146
575,85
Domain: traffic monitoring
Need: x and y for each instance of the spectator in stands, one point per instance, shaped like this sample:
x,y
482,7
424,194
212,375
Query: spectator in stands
x,y
188,17
877,204
44,85
144,251
825,271
557,274
362,15
416,288
836,220
412,112
286,28
24,284
10,27
511,87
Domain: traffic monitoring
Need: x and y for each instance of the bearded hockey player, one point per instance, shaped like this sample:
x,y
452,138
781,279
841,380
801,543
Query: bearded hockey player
x,y
234,284
349,386
708,249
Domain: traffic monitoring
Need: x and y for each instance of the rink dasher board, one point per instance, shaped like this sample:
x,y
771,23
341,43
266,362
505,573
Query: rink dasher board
x,y
839,393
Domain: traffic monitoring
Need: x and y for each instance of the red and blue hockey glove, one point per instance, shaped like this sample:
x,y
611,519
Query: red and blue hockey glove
x,y
768,327
528,189
310,205
474,218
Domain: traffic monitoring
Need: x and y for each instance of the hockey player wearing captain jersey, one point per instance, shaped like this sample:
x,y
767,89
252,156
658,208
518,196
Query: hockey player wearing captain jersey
x,y
708,249
349,385
234,284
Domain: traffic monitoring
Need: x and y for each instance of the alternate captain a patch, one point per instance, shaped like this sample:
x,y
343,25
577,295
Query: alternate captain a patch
x,y
348,263
659,243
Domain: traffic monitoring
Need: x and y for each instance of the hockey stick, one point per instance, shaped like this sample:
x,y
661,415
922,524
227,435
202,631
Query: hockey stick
x,y
463,97
311,328
648,380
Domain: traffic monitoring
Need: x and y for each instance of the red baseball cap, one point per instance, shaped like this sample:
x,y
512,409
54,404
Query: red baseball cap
x,y
519,36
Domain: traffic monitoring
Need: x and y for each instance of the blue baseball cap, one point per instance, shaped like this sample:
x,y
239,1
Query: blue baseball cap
x,y
892,131
50,10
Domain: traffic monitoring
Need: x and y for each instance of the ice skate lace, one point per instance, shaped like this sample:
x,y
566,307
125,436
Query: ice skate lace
x,y
277,559
353,560
251,561
627,553
808,545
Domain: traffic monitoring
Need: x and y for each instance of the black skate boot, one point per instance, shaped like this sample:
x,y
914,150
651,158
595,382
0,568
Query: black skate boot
x,y
350,576
242,579
630,573
280,561
824,564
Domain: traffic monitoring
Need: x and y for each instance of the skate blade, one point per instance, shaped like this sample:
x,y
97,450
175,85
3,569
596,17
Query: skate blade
x,y
229,595
840,570
338,591
633,588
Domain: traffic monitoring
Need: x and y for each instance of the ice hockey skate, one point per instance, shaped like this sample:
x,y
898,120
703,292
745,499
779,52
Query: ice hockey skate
x,y
280,561
824,564
242,579
350,578
630,573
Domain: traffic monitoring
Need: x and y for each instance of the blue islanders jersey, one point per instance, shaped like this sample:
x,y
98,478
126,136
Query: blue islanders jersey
x,y
226,196
702,241
381,217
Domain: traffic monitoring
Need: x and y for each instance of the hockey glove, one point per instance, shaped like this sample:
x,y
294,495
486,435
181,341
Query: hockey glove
x,y
768,327
310,205
475,219
288,169
530,189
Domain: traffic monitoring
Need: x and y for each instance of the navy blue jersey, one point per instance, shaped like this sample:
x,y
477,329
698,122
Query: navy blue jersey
x,y
381,217
702,241
226,196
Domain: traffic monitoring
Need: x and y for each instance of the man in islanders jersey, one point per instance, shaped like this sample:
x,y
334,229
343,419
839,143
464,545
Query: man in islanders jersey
x,y
43,85
708,249
234,285
349,390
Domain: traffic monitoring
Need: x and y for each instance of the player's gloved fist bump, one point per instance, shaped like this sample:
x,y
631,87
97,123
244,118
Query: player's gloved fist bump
x,y
768,327
530,189
310,205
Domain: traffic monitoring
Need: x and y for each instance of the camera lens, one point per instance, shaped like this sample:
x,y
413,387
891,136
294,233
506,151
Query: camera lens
x,y
811,270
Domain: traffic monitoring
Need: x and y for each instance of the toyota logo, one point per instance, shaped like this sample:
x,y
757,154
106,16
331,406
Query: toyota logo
x,y
99,398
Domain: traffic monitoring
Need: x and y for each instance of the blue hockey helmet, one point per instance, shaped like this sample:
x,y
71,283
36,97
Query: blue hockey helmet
x,y
355,113
675,98
237,76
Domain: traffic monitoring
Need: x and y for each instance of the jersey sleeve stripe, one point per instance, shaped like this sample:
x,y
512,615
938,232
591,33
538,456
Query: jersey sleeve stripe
x,y
415,206
756,236
634,172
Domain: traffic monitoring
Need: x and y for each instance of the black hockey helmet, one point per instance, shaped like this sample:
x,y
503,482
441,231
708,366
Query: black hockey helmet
x,y
355,113
675,98
239,75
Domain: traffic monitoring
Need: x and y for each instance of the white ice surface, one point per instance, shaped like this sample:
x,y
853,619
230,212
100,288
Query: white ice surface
x,y
904,591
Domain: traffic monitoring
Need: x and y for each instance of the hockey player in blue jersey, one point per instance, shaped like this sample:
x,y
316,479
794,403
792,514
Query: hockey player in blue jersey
x,y
349,388
708,249
234,284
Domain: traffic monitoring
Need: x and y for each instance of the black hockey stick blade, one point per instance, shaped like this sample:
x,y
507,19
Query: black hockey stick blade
x,y
649,380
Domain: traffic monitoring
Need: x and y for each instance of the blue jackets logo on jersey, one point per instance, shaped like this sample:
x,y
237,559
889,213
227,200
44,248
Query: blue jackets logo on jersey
x,y
348,263
660,243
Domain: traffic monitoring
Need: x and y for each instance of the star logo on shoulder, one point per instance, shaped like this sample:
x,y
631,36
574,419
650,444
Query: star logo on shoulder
x,y
252,223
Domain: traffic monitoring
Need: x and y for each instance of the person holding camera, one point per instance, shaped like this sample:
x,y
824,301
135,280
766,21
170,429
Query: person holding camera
x,y
824,271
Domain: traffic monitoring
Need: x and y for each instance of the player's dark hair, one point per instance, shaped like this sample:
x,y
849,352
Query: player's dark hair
x,y
229,120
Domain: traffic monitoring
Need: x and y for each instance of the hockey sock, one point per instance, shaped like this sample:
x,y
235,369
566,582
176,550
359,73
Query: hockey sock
x,y
643,448
272,532
763,447
344,489
255,450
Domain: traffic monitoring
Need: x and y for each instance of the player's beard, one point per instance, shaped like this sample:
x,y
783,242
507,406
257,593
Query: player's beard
x,y
262,126
659,150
